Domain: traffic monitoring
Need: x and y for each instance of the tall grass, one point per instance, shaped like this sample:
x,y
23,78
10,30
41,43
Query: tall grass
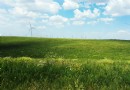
x,y
41,74
64,64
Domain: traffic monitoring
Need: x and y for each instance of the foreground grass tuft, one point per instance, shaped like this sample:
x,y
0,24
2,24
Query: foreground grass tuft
x,y
26,73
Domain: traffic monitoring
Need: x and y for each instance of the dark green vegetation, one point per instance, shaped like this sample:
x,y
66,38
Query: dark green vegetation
x,y
56,64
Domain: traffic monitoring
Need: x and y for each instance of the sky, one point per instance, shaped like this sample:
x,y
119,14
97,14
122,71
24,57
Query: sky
x,y
88,19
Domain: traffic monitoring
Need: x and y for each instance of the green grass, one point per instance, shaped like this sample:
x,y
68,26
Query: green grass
x,y
65,48
64,64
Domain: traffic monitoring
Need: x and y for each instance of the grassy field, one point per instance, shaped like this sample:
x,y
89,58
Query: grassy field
x,y
64,64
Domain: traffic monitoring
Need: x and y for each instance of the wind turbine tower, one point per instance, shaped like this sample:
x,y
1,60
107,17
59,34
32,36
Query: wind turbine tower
x,y
31,28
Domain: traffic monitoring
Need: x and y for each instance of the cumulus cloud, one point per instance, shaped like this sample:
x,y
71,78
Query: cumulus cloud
x,y
48,6
106,20
18,11
97,1
86,13
118,7
92,22
70,4
79,22
58,20
100,4
21,11
92,1
41,27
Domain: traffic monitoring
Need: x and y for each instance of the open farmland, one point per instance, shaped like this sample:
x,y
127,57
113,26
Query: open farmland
x,y
64,64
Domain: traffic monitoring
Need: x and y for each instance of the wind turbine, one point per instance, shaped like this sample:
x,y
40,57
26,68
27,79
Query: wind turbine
x,y
31,28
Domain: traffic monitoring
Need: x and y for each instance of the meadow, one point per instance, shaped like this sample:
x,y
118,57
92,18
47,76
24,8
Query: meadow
x,y
64,64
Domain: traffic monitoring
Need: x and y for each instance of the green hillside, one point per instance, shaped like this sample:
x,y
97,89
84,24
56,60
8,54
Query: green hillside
x,y
64,64
64,48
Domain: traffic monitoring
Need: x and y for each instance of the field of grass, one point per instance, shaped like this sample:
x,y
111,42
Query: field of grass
x,y
64,64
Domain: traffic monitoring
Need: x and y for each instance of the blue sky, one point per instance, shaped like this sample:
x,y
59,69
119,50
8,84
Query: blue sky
x,y
91,19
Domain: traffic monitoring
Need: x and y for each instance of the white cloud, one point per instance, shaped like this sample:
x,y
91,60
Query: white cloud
x,y
4,17
120,34
78,14
45,16
58,20
123,32
97,1
80,22
87,3
92,22
92,1
18,11
70,4
96,12
41,28
38,12
100,4
3,20
45,21
23,12
48,6
86,13
3,11
33,14
6,2
106,20
118,7
30,8
75,4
